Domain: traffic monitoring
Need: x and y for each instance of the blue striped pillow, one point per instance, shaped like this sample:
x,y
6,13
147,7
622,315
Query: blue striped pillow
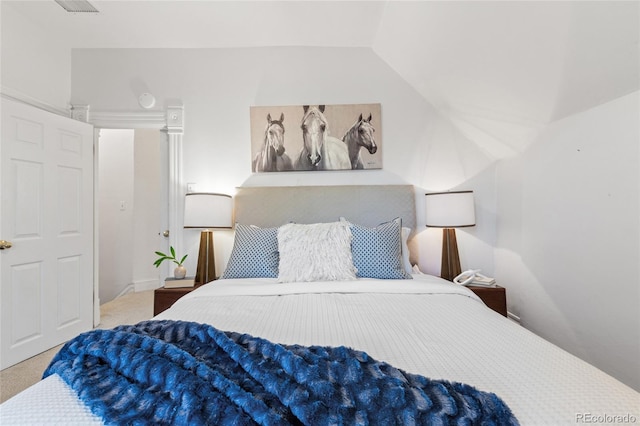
x,y
254,253
377,252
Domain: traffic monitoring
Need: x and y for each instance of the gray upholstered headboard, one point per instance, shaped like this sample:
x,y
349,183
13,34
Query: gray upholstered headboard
x,y
367,205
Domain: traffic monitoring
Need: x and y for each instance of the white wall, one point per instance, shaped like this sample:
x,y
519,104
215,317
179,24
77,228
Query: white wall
x,y
115,174
34,65
217,87
569,236
147,200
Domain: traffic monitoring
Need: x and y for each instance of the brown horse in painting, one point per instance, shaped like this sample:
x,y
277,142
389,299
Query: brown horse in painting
x,y
358,136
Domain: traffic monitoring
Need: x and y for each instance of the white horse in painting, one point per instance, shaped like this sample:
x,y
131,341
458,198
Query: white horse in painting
x,y
320,151
272,157
358,136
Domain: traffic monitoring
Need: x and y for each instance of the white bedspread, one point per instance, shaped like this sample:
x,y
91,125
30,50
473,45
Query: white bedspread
x,y
426,326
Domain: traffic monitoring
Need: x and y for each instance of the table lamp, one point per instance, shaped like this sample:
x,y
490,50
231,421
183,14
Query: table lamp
x,y
209,211
450,210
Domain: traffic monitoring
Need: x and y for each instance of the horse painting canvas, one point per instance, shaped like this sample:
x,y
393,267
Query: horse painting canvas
x,y
316,138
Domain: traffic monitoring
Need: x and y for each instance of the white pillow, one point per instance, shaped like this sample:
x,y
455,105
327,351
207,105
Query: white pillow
x,y
316,252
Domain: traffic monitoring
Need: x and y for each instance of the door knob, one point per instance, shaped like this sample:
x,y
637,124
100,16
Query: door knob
x,y
165,233
5,244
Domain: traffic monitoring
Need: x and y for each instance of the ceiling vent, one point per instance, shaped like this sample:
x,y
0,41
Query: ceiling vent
x,y
77,6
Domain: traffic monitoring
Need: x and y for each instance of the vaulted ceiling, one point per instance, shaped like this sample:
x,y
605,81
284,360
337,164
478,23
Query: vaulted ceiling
x,y
499,70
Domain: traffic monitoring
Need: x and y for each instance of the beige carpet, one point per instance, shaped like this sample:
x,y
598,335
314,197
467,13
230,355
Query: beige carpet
x,y
127,309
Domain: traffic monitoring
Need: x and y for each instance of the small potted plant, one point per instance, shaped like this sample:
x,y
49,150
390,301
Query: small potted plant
x,y
180,271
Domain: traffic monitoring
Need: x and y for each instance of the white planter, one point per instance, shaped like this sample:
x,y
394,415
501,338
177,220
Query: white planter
x,y
180,272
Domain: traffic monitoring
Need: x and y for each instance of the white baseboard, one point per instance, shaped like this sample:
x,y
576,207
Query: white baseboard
x,y
128,289
140,285
513,317
144,285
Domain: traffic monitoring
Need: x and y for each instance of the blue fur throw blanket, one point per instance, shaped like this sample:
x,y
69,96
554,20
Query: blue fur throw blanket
x,y
176,372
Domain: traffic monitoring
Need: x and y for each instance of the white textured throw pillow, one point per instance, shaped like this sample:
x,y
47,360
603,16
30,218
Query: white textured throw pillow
x,y
316,252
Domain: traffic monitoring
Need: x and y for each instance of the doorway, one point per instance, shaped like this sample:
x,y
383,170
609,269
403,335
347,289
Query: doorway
x,y
132,209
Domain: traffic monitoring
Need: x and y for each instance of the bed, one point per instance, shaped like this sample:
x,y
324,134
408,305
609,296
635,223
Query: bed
x,y
417,323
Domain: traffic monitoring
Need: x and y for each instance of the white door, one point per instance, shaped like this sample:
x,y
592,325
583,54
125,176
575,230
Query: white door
x,y
46,184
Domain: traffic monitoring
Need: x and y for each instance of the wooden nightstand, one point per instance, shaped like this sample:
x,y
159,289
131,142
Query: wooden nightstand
x,y
163,298
493,297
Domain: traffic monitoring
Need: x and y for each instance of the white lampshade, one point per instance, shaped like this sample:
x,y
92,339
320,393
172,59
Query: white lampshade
x,y
208,210
450,209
